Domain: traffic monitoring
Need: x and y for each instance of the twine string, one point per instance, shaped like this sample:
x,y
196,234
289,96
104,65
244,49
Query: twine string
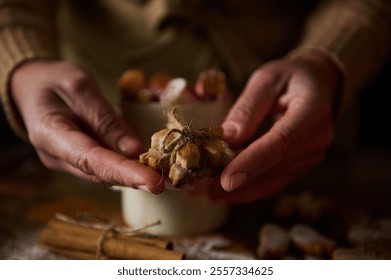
x,y
185,131
99,248
169,146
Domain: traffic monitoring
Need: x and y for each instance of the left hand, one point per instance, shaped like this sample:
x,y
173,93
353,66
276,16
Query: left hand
x,y
298,94
74,129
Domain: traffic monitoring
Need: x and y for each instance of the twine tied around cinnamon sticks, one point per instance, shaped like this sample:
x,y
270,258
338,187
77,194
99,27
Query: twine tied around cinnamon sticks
x,y
99,239
184,152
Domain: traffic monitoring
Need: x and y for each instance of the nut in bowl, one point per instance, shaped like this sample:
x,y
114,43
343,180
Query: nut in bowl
x,y
182,142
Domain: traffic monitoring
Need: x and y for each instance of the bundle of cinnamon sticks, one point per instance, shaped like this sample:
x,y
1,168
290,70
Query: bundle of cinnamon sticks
x,y
77,240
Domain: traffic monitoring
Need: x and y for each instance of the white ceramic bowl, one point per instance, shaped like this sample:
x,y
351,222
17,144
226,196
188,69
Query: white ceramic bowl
x,y
178,213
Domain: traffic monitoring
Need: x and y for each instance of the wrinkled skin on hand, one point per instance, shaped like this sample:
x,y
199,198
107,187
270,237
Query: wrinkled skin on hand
x,y
74,129
298,95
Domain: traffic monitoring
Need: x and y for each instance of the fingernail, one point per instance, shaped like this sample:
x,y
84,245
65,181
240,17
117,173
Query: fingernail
x,y
237,180
229,131
127,145
143,188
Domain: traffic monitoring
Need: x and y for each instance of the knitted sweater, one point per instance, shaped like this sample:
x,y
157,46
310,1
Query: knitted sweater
x,y
186,37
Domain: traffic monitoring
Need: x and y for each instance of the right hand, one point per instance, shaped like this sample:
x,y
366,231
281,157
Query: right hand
x,y
74,129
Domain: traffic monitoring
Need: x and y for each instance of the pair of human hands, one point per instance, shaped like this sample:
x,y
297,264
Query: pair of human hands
x,y
74,129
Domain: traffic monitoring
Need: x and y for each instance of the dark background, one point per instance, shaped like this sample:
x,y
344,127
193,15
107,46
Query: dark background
x,y
375,113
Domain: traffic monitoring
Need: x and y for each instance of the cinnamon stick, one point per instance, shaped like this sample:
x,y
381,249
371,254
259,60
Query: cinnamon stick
x,y
72,254
77,241
62,226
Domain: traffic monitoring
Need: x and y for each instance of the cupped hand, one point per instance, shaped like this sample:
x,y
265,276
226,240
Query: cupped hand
x,y
298,95
74,129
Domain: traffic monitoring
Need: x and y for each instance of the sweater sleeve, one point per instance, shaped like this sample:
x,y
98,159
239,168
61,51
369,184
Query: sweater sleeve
x,y
355,35
27,32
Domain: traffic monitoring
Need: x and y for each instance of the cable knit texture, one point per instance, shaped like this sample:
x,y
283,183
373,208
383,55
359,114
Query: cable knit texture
x,y
356,35
26,33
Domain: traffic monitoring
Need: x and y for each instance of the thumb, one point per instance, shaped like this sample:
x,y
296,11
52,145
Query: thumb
x,y
251,107
114,133
84,98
